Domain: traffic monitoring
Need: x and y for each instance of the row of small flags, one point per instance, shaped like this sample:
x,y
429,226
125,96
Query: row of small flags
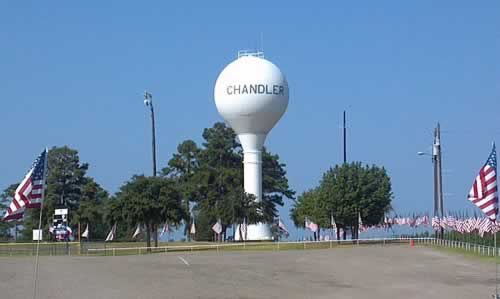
x,y
112,233
217,227
483,194
454,223
138,231
466,225
308,224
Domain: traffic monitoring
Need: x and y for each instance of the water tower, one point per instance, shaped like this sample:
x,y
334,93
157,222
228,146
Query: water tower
x,y
251,94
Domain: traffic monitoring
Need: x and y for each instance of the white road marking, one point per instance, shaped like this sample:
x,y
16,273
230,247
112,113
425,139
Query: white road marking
x,y
183,260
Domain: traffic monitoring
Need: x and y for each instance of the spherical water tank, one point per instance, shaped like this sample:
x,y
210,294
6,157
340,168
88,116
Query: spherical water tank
x,y
251,94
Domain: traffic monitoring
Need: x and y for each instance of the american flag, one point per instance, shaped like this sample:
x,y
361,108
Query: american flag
x,y
448,222
485,226
436,223
484,192
192,230
470,225
282,225
166,229
85,234
137,232
244,228
217,227
361,227
310,225
29,194
460,225
333,223
111,234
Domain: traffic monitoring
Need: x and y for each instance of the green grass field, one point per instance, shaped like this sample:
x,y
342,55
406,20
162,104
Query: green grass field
x,y
464,253
139,248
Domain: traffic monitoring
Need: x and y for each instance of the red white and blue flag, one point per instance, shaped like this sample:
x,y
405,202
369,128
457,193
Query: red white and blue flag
x,y
310,225
111,234
484,192
282,226
29,194
217,227
166,229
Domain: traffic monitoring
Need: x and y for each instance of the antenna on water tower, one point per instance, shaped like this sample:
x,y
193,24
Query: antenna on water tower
x,y
262,42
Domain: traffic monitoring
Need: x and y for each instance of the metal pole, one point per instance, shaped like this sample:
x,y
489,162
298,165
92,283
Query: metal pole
x,y
440,175
496,267
37,251
148,101
434,162
40,223
345,151
153,144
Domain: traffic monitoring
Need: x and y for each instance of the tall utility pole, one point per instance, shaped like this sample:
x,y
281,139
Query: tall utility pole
x,y
345,161
438,177
434,163
148,101
345,152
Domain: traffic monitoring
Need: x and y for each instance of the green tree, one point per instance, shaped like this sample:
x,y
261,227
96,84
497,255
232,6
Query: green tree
x,y
350,190
219,177
182,168
310,205
91,209
6,227
345,192
148,200
115,213
274,185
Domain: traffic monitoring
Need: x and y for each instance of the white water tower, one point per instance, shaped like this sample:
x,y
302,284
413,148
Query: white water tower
x,y
251,94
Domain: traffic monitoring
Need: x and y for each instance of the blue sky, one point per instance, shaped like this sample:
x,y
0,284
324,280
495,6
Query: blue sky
x,y
73,74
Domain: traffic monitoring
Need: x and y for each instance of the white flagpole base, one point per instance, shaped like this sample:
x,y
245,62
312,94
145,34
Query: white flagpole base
x,y
256,232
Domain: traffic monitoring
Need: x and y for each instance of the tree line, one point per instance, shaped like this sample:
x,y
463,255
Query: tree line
x,y
204,183
199,182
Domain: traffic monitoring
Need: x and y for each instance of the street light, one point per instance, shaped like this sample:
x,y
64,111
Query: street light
x,y
148,101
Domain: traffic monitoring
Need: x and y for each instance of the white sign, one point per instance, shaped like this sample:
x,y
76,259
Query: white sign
x,y
61,212
37,235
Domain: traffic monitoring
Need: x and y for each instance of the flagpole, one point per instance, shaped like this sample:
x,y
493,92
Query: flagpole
x,y
495,238
40,221
79,239
496,266
37,249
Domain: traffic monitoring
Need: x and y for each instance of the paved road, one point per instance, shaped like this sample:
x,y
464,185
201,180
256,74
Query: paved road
x,y
364,272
